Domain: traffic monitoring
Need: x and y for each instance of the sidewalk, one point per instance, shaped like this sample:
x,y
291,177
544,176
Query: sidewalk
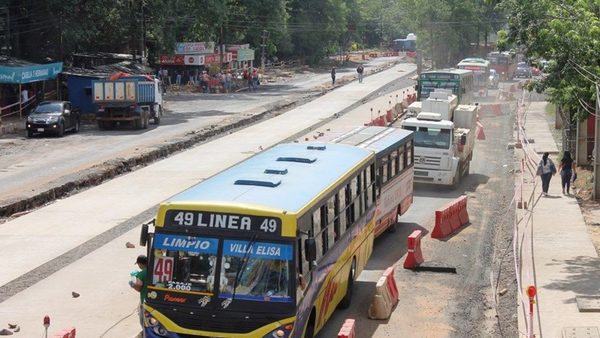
x,y
565,266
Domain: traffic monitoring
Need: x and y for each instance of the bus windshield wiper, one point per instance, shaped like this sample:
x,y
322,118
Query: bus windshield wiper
x,y
239,273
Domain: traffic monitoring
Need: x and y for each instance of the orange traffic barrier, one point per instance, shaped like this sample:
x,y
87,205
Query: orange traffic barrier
x,y
391,284
450,218
66,333
386,296
479,133
389,116
414,257
379,121
347,330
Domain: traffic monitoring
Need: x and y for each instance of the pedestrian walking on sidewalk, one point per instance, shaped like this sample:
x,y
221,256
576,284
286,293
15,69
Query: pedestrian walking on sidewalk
x,y
566,170
360,71
546,169
333,76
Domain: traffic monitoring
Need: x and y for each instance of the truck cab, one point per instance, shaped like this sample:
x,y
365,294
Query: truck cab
x,y
443,139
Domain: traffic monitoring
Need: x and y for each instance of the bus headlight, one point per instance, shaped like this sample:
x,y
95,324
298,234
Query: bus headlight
x,y
156,326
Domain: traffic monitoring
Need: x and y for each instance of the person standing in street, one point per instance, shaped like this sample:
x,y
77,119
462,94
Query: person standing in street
x,y
566,170
360,71
333,76
140,284
546,169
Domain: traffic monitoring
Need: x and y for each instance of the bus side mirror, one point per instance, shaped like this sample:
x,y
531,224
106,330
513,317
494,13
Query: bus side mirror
x,y
463,139
144,235
310,249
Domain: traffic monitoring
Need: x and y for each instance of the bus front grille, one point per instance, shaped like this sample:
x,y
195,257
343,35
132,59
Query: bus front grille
x,y
229,322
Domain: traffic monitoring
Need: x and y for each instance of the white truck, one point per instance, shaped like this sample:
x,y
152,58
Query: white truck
x,y
444,138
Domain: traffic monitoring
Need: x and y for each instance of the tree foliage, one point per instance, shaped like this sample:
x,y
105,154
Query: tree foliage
x,y
567,33
309,29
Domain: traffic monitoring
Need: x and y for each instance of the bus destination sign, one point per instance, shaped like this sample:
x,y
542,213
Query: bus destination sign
x,y
223,221
438,76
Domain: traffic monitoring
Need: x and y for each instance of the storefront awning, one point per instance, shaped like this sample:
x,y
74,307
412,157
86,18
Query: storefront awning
x,y
30,73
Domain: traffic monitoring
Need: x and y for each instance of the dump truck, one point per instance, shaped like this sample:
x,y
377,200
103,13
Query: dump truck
x,y
444,139
129,99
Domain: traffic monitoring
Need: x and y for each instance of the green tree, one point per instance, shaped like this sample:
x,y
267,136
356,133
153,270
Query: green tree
x,y
568,34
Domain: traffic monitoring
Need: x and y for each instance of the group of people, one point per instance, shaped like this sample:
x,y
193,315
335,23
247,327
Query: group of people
x,y
359,70
567,171
252,77
222,81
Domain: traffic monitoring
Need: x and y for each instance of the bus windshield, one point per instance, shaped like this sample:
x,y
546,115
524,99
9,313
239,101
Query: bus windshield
x,y
429,86
431,137
262,271
185,263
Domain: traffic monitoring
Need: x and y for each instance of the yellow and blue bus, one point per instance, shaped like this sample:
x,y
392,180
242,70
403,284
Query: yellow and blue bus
x,y
267,248
459,81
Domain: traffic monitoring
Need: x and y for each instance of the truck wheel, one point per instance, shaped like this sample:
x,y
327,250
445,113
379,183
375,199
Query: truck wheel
x,y
456,182
101,125
467,169
29,133
158,115
77,126
145,120
137,123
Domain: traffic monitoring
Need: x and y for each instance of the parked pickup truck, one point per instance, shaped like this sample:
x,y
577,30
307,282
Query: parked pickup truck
x,y
131,99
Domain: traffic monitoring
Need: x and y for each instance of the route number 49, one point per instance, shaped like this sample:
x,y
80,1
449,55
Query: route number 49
x,y
268,225
163,270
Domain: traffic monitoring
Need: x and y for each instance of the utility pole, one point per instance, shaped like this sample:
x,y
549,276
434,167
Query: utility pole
x,y
596,192
143,42
221,49
264,36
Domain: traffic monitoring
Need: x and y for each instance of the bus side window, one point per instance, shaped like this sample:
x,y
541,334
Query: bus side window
x,y
384,170
316,232
394,162
341,212
349,206
331,221
360,205
354,203
402,159
324,229
373,183
366,188
390,168
409,154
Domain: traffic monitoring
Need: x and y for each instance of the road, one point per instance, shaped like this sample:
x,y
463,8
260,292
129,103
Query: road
x,y
446,304
66,246
31,167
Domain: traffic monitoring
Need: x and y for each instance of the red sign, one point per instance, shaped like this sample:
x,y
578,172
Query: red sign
x,y
177,59
473,68
210,59
163,270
